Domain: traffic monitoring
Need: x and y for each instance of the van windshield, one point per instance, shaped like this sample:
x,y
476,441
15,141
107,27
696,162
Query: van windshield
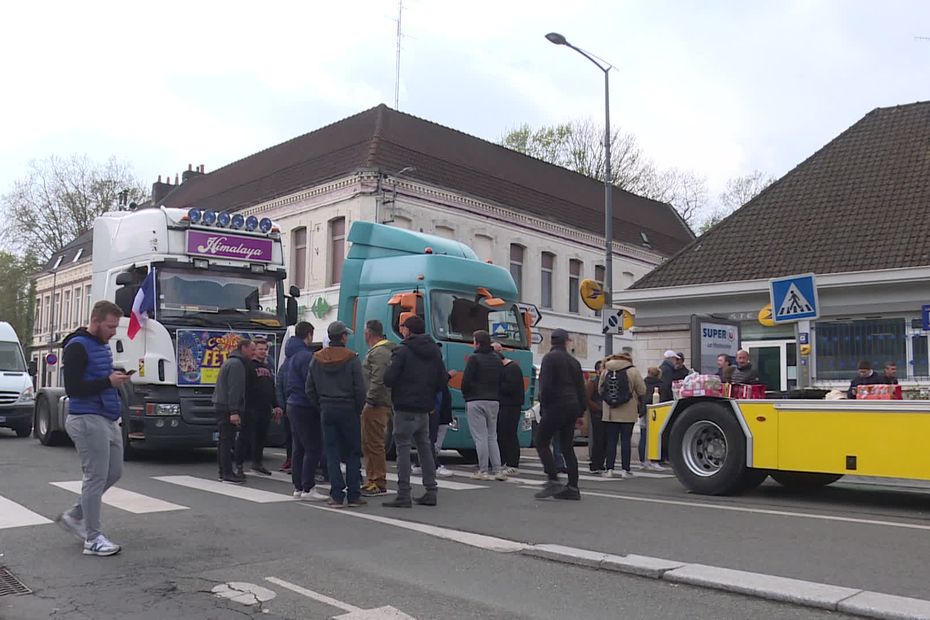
x,y
11,357
456,316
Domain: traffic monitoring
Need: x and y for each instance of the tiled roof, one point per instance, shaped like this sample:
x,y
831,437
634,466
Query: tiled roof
x,y
388,140
78,251
860,203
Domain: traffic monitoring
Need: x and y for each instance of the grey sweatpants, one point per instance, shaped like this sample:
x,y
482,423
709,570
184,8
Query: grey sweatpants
x,y
482,422
99,443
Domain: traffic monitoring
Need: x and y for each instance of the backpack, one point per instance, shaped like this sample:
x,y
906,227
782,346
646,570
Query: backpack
x,y
616,388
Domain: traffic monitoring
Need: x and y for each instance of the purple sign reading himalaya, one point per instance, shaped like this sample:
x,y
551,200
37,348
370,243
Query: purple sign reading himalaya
x,y
220,245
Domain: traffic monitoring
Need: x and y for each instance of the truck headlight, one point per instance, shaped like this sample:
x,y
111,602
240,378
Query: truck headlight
x,y
27,396
162,409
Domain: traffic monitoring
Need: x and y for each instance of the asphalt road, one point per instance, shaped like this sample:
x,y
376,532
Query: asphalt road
x,y
175,554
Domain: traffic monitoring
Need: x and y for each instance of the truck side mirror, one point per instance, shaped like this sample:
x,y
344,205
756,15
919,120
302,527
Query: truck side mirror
x,y
125,278
290,311
293,291
33,368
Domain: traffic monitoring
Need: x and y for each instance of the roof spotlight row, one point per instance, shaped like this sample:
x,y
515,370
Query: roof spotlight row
x,y
224,220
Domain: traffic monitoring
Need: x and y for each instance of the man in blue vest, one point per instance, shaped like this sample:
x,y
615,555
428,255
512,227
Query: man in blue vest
x,y
94,411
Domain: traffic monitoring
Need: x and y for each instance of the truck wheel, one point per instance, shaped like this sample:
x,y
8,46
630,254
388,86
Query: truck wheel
x,y
804,480
751,479
708,450
129,453
24,430
47,436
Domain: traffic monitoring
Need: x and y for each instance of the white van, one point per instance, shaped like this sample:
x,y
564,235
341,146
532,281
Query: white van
x,y
17,398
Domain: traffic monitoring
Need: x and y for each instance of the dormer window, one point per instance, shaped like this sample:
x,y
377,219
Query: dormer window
x,y
58,262
78,255
645,238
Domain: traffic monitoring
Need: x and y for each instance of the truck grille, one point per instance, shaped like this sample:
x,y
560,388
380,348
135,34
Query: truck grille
x,y
8,398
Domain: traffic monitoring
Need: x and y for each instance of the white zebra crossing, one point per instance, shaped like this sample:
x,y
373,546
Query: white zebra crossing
x,y
130,501
221,488
17,515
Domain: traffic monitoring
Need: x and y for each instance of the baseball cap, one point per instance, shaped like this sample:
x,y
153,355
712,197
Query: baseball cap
x,y
559,336
680,356
669,353
336,329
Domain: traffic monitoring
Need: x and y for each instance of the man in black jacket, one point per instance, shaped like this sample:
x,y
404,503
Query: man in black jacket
x,y
416,373
229,404
481,387
260,399
513,393
864,376
673,369
336,386
562,400
744,372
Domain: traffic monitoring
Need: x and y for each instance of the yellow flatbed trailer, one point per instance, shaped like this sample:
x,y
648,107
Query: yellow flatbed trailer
x,y
722,446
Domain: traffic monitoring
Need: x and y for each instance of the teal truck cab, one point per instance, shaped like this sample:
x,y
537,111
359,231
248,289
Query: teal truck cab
x,y
391,271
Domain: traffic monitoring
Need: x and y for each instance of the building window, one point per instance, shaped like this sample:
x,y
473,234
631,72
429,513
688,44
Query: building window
x,y
337,249
78,255
37,319
88,306
299,257
484,247
840,345
46,318
516,266
574,280
600,273
66,310
77,306
548,261
56,315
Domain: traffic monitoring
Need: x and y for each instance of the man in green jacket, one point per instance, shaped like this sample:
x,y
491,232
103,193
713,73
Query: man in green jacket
x,y
377,408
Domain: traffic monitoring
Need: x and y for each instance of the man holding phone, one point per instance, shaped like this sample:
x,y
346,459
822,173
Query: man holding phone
x,y
94,411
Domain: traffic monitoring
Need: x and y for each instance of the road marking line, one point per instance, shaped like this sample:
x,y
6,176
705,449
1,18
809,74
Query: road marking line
x,y
129,501
17,515
221,488
321,598
481,541
764,511
442,484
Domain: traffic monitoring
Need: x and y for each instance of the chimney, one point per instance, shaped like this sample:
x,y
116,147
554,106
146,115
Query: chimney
x,y
191,173
160,190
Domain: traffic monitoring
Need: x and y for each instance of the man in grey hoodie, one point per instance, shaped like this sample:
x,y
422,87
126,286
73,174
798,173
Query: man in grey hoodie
x,y
336,385
229,402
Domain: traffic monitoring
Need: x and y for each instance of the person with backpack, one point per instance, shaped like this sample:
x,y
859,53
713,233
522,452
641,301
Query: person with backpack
x,y
622,389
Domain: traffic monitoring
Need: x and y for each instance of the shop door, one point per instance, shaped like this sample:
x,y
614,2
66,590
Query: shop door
x,y
776,361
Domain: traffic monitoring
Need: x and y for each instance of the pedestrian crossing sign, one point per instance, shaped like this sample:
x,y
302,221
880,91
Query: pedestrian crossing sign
x,y
794,298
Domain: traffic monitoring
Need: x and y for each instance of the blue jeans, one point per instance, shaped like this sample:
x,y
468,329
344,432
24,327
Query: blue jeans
x,y
622,431
308,445
642,444
557,454
342,434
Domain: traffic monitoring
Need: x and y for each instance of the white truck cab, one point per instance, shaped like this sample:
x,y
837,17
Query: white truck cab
x,y
17,397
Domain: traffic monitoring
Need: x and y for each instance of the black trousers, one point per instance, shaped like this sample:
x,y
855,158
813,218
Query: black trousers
x,y
508,419
597,436
287,437
252,436
560,424
226,444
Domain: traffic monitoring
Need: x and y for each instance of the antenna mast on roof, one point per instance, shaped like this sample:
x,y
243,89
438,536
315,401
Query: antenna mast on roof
x,y
400,14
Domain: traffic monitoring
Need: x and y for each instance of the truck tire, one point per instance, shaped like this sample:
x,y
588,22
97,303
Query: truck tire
x,y
708,451
43,424
751,479
24,430
804,480
129,453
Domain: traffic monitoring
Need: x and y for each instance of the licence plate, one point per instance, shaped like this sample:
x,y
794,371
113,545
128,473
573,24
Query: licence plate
x,y
216,436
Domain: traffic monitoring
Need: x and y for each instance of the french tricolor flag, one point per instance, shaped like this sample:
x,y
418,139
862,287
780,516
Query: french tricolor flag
x,y
142,305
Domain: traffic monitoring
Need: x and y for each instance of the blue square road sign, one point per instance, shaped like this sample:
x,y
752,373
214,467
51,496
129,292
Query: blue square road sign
x,y
794,298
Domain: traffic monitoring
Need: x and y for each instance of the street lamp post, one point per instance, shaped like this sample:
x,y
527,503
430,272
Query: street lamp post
x,y
558,39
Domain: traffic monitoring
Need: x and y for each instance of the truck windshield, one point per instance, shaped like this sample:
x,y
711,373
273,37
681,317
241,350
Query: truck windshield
x,y
11,357
192,293
456,316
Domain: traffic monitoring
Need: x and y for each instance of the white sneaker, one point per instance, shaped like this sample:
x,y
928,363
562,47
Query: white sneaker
x,y
653,466
71,525
480,475
500,476
626,474
100,546
297,494
608,473
313,496
416,470
512,471
444,472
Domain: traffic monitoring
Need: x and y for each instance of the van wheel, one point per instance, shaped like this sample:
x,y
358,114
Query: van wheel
x,y
804,480
708,451
24,430
47,436
129,453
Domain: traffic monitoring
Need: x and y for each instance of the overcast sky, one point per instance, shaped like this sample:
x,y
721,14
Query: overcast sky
x,y
717,87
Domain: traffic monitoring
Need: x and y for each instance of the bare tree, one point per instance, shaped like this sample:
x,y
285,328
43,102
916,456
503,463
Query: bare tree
x,y
579,146
59,198
738,191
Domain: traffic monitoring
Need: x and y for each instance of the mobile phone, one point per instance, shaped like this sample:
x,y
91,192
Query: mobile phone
x,y
131,371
